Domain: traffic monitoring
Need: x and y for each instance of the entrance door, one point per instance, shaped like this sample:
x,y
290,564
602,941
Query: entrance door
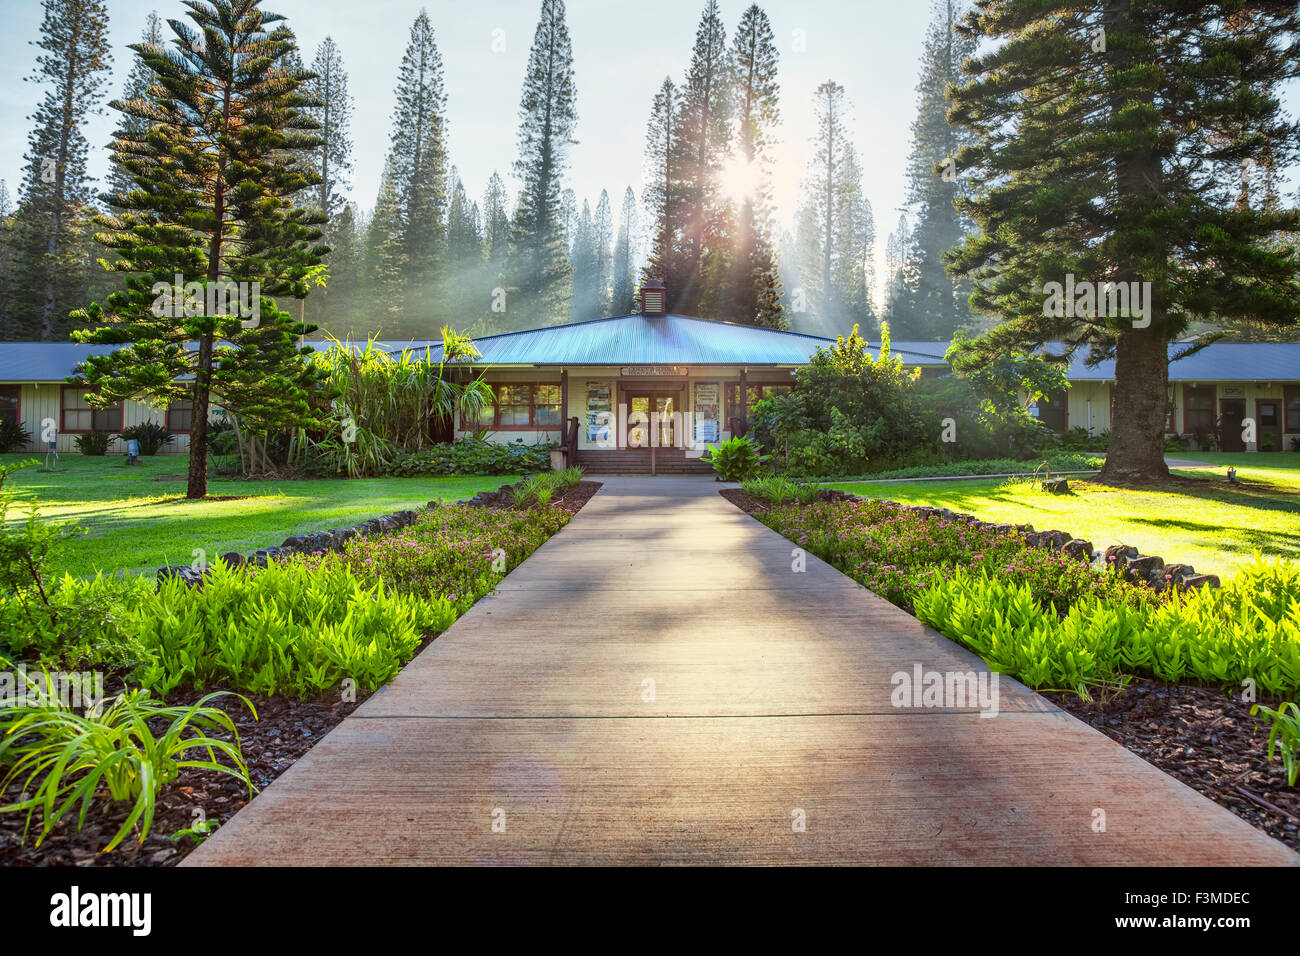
x,y
656,423
1231,412
1268,422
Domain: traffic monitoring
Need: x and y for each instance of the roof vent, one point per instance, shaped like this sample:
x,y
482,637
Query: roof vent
x,y
652,297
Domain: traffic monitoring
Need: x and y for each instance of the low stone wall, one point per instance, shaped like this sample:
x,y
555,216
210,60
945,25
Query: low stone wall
x,y
1148,569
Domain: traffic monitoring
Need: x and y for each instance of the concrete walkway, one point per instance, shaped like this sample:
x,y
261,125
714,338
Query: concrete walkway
x,y
657,685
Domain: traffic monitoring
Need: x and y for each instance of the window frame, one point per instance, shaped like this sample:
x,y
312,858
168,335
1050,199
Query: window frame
x,y
1212,408
120,408
170,409
470,424
1290,393
18,400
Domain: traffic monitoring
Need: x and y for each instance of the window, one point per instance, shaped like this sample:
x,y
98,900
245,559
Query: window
x,y
9,399
80,417
1199,413
180,415
753,393
1292,393
519,406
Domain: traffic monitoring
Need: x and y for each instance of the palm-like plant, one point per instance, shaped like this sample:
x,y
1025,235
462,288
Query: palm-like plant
x,y
385,402
64,758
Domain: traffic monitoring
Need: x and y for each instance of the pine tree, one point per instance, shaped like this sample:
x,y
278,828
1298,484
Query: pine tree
x,y
331,108
129,128
383,265
701,143
213,205
6,255
496,225
463,285
624,282
340,297
1108,135
417,158
753,292
57,194
663,204
935,304
836,230
583,260
602,239
539,268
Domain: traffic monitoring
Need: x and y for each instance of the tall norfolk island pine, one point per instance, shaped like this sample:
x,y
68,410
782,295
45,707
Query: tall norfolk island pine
x,y
214,168
1129,121
56,189
539,265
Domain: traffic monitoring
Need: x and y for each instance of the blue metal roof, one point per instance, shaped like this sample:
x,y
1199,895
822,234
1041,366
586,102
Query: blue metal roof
x,y
44,361
682,340
646,340
1220,362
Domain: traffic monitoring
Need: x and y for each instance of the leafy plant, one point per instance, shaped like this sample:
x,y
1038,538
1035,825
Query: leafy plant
x,y
1285,735
63,759
735,459
24,557
151,436
94,442
13,436
474,456
780,490
539,489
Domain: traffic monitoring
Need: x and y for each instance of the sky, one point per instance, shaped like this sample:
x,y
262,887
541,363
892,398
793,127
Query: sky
x,y
622,52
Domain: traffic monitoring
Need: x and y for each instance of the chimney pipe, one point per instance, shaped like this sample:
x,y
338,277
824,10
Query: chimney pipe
x,y
652,297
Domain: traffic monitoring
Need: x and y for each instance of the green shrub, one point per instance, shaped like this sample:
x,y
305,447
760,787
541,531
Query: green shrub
x,y
1284,735
13,436
735,459
63,760
780,490
1250,629
289,629
94,443
152,437
474,456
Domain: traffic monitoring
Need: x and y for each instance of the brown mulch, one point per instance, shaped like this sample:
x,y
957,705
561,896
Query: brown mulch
x,y
1201,736
572,499
285,729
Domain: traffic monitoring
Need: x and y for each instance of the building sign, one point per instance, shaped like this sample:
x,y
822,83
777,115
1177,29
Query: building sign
x,y
652,370
600,414
708,411
1233,391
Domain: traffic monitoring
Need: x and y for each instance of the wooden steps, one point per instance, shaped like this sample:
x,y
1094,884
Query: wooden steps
x,y
636,461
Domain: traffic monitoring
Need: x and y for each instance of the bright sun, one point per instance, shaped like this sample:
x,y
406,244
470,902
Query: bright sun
x,y
740,179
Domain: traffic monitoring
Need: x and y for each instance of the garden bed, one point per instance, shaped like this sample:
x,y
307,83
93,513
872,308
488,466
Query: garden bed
x,y
444,562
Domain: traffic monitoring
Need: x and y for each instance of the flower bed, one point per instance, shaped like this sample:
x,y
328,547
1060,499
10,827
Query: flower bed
x,y
343,620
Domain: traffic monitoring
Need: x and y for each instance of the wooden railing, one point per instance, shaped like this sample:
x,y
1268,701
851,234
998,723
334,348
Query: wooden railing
x,y
571,441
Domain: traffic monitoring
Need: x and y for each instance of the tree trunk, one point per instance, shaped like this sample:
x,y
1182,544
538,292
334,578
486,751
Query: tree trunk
x,y
1141,410
197,486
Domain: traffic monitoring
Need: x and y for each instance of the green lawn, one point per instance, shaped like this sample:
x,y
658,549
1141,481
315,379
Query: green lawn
x,y
138,518
1212,527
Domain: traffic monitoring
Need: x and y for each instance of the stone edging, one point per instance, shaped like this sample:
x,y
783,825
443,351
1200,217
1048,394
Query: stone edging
x,y
1149,569
319,542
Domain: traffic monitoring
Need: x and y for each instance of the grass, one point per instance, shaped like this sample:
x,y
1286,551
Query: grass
x,y
1212,525
139,519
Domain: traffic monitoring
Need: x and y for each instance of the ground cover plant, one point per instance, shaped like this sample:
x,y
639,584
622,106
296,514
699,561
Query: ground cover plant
x,y
61,759
1048,619
346,620
1196,518
138,518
